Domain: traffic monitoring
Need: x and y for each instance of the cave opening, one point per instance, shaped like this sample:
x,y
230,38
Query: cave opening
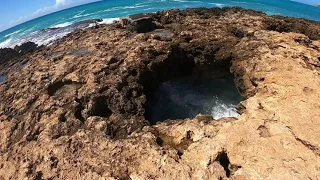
x,y
179,87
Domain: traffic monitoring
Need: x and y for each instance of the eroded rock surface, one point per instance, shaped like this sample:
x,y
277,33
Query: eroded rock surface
x,y
75,110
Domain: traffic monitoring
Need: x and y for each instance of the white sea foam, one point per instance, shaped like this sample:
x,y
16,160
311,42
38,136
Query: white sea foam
x,y
108,20
48,36
123,7
180,1
183,98
84,15
49,39
79,14
65,24
222,109
7,43
16,32
218,4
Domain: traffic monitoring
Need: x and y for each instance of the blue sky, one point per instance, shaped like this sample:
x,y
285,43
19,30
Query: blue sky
x,y
13,12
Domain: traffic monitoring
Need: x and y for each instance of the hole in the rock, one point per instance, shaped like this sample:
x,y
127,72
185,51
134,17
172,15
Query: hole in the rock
x,y
78,111
2,79
186,97
224,161
62,117
159,141
179,153
100,107
39,176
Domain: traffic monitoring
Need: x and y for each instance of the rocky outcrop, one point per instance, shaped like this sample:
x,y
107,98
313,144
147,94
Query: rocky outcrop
x,y
25,48
7,54
76,109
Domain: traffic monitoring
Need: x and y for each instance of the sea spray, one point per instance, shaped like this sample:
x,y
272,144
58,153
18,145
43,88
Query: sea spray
x,y
186,98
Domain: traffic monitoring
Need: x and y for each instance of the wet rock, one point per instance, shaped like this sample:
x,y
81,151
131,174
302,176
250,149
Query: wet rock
x,y
138,16
163,35
86,23
287,24
81,51
2,79
142,25
7,54
26,48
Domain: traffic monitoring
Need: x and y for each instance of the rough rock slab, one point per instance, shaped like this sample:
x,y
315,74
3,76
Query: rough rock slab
x,y
75,109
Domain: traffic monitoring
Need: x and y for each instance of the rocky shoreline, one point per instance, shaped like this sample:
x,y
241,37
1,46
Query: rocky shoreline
x,y
76,109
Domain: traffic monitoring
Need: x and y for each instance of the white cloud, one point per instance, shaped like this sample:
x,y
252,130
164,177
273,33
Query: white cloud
x,y
59,5
60,2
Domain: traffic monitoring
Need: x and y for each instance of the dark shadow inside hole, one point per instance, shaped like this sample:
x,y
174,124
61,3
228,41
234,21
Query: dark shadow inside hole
x,y
187,97
78,111
100,107
39,176
224,162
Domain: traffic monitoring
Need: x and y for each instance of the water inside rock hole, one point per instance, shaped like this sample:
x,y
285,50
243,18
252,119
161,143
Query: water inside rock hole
x,y
185,98
2,79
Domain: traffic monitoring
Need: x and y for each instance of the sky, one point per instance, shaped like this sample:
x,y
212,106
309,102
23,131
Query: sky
x,y
311,2
14,12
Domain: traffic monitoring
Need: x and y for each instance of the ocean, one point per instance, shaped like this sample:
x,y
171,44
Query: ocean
x,y
44,30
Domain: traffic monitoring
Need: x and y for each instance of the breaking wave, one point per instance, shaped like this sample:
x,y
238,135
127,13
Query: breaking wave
x,y
65,24
49,35
185,98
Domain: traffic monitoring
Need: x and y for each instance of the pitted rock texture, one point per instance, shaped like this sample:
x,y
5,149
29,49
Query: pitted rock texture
x,y
75,109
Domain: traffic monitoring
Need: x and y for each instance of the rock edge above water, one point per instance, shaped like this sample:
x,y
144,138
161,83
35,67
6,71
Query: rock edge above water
x,y
75,109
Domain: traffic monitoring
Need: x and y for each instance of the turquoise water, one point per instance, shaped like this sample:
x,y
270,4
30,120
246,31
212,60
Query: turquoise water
x,y
109,10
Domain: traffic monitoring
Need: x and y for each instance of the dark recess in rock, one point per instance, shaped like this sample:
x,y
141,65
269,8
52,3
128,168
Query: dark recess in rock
x,y
26,48
100,107
287,24
7,54
142,25
39,176
2,79
177,64
78,111
62,117
223,159
159,141
238,32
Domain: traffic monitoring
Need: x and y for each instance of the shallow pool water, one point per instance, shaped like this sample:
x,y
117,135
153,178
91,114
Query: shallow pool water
x,y
185,98
2,79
